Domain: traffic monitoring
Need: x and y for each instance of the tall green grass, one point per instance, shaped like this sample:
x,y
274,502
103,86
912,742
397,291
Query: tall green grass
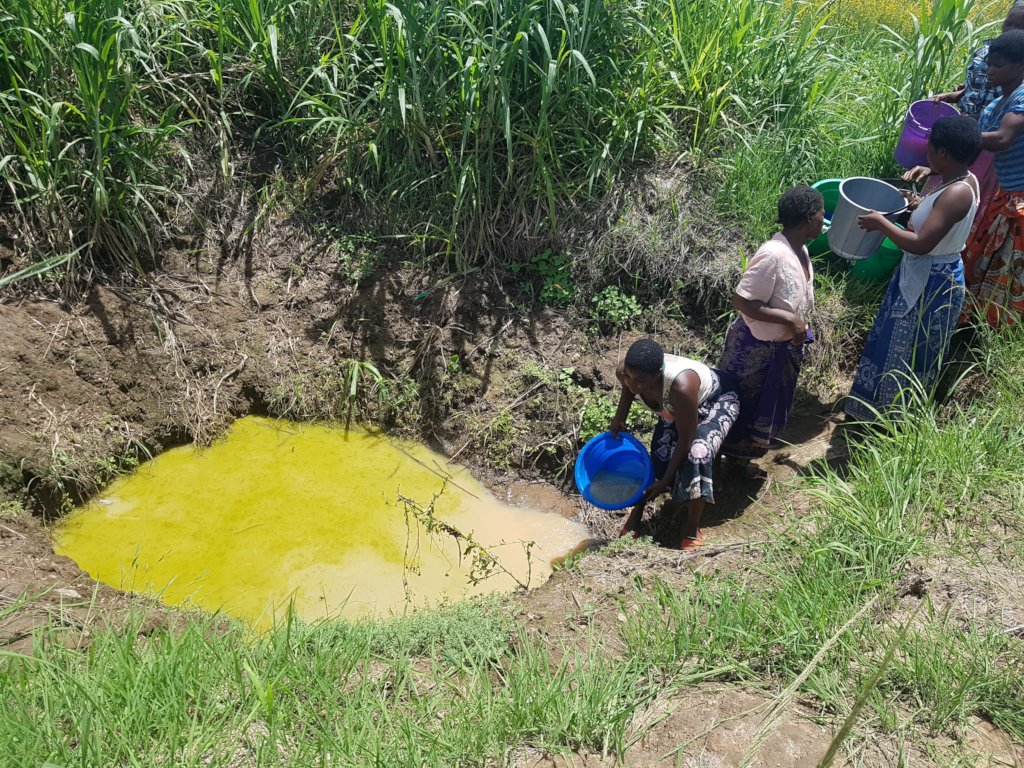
x,y
848,119
481,122
480,131
89,142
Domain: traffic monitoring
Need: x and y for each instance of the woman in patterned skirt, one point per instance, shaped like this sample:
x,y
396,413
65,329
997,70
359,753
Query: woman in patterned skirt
x,y
764,347
911,334
697,406
994,257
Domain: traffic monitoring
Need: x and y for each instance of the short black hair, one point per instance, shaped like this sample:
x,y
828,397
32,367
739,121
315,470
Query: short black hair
x,y
798,204
959,135
1009,46
645,356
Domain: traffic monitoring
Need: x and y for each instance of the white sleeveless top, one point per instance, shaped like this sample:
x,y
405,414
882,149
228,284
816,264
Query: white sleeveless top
x,y
671,370
915,269
956,238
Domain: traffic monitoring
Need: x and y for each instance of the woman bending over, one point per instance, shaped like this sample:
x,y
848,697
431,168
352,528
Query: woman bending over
x,y
696,406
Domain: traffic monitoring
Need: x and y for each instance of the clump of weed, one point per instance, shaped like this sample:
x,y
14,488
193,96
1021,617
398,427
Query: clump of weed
x,y
612,310
571,560
11,510
548,276
80,463
459,633
503,441
663,242
596,409
353,390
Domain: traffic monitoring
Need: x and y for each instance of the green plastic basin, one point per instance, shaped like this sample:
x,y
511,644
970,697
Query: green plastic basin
x,y
829,189
879,267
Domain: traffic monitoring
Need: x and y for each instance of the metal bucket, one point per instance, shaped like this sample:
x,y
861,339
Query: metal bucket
x,y
857,196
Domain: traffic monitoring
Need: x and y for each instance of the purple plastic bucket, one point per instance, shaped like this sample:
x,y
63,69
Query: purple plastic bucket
x,y
912,148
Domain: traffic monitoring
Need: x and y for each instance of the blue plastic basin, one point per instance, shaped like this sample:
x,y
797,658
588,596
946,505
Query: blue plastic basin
x,y
613,473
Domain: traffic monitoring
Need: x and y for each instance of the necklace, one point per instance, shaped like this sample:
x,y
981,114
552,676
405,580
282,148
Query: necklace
x,y
949,183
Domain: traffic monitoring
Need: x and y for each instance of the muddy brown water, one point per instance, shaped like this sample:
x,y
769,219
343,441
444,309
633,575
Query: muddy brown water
x,y
280,514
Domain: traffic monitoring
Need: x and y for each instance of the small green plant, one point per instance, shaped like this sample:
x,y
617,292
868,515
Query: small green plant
x,y
614,310
354,371
453,366
596,409
628,544
571,560
556,278
502,438
535,373
348,389
553,272
11,510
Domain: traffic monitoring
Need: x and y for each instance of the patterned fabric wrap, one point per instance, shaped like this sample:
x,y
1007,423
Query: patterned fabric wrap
x,y
765,373
715,417
977,93
1009,162
994,262
903,344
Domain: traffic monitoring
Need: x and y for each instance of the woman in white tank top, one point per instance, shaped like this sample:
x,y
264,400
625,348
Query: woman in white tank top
x,y
910,337
697,406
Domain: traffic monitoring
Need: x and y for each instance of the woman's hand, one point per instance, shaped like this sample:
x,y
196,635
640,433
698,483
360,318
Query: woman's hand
x,y
947,98
913,199
655,490
798,327
872,221
917,174
616,425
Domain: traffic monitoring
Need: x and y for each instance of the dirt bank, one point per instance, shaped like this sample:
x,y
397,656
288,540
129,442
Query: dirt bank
x,y
128,371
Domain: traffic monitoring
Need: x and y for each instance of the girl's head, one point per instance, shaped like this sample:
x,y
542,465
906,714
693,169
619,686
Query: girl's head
x,y
802,209
1015,18
954,141
1006,59
642,367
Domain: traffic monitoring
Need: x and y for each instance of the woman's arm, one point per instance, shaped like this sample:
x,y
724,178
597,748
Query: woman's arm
x,y
759,310
951,206
626,397
1002,138
683,397
950,97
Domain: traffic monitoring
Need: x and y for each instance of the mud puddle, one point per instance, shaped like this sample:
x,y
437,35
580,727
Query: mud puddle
x,y
280,514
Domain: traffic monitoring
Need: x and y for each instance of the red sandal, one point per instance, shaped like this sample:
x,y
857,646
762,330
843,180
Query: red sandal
x,y
692,542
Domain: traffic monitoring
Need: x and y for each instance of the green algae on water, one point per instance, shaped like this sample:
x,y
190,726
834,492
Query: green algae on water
x,y
279,513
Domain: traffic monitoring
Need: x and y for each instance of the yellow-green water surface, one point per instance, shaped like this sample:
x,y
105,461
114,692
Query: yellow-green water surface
x,y
278,512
